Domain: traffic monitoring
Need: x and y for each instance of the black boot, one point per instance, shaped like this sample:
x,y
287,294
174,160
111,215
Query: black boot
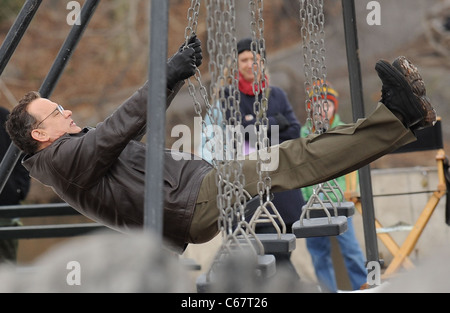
x,y
404,93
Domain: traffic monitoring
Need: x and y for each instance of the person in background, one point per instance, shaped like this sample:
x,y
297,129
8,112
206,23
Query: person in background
x,y
15,190
320,247
280,113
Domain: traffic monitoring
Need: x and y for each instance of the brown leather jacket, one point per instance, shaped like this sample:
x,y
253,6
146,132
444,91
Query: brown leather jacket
x,y
100,172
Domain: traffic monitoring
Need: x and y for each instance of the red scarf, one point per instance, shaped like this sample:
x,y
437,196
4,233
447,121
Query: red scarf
x,y
247,87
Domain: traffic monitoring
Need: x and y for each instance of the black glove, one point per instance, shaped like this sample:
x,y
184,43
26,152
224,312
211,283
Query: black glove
x,y
283,123
195,44
183,64
180,66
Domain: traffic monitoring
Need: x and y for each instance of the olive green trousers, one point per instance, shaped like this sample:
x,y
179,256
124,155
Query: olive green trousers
x,y
308,161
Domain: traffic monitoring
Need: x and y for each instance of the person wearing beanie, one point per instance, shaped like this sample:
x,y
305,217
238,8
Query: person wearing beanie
x,y
320,247
279,113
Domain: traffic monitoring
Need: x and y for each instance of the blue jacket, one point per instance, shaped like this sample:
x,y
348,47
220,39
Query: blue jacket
x,y
278,105
279,112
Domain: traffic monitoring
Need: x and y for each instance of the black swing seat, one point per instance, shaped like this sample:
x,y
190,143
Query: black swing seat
x,y
344,208
277,244
320,227
265,268
203,285
273,243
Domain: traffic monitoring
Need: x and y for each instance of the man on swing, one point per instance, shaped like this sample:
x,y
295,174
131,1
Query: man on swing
x,y
100,171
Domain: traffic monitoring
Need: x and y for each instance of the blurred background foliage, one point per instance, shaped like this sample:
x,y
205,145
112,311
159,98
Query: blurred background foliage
x,y
9,9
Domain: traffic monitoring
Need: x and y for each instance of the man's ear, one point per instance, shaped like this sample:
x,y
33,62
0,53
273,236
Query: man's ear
x,y
39,135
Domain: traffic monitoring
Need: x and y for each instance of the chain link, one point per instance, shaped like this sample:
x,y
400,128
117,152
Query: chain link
x,y
225,100
261,126
312,20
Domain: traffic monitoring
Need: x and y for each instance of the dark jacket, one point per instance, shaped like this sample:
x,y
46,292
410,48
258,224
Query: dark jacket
x,y
18,184
279,112
100,172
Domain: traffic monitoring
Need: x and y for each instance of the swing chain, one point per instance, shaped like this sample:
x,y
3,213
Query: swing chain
x,y
261,126
222,47
191,29
313,46
260,84
193,13
312,19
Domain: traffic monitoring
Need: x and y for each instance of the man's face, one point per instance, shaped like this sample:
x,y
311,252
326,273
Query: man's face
x,y
246,66
53,122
